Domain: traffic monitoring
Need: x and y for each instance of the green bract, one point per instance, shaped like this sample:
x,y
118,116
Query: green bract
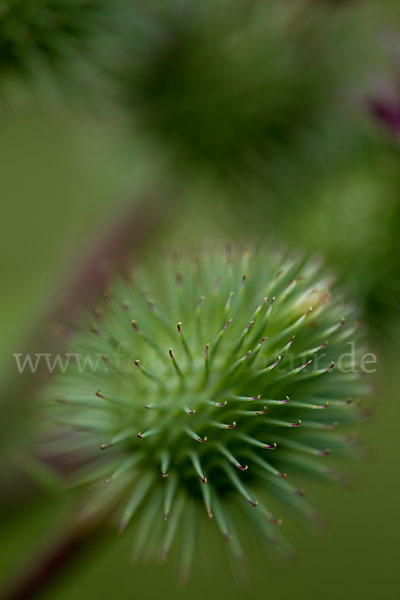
x,y
195,386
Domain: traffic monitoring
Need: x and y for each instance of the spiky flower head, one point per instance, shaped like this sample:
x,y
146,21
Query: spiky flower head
x,y
227,86
46,41
200,389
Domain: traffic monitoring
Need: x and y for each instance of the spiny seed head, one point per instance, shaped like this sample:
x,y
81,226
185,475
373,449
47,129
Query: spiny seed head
x,y
40,41
223,82
208,385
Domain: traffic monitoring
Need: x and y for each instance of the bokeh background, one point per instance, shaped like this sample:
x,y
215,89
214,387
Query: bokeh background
x,y
127,126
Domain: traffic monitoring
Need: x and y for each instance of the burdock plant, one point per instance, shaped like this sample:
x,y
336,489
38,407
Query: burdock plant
x,y
230,87
46,43
199,389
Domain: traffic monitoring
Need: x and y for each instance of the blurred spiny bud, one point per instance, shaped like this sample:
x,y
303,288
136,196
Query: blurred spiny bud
x,y
202,389
226,86
46,43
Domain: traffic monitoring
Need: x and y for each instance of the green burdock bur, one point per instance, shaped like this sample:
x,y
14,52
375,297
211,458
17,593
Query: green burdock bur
x,y
199,389
46,43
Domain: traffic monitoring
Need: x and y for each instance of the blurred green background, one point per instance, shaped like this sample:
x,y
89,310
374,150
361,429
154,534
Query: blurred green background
x,y
127,126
